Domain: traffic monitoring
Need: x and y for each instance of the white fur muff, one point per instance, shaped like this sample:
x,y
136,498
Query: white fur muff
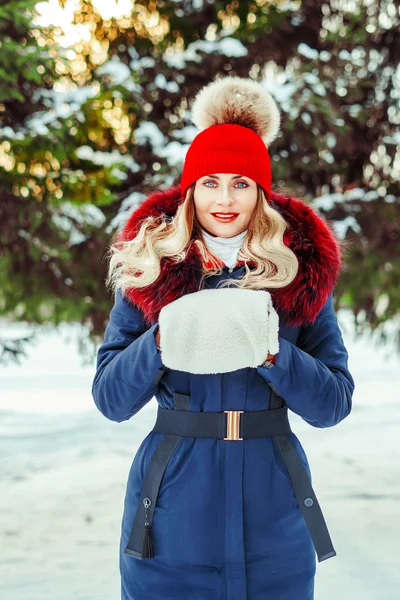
x,y
218,330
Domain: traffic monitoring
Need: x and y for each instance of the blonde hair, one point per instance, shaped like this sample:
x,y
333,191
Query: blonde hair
x,y
136,263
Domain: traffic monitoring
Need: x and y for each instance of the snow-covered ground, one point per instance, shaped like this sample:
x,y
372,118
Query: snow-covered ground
x,y
63,470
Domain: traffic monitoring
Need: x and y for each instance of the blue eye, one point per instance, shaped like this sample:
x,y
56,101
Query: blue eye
x,y
242,184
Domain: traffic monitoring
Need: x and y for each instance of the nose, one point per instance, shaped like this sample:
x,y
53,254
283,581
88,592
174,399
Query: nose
x,y
225,197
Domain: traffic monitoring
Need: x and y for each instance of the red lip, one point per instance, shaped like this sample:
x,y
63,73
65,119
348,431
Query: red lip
x,y
229,218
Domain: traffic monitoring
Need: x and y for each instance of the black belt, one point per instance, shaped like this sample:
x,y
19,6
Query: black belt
x,y
227,425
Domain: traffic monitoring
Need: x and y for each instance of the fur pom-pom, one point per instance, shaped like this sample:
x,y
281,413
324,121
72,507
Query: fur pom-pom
x,y
240,101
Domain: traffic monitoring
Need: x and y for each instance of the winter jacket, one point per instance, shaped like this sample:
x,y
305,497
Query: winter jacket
x,y
227,524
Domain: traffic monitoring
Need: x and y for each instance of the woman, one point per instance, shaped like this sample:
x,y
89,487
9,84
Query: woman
x,y
224,312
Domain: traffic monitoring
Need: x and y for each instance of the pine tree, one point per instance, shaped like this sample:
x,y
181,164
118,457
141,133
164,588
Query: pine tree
x,y
122,128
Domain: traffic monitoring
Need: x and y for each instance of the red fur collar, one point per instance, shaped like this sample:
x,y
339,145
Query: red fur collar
x,y
310,237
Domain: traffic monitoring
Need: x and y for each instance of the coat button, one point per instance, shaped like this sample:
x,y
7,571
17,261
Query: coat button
x,y
308,501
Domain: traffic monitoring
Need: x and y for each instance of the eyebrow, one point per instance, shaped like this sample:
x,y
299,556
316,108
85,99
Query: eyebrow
x,y
235,177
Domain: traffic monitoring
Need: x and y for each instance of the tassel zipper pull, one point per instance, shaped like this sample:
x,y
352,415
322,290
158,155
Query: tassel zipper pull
x,y
147,550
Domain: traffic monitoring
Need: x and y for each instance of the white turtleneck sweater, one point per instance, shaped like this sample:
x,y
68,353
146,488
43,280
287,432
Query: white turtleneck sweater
x,y
225,248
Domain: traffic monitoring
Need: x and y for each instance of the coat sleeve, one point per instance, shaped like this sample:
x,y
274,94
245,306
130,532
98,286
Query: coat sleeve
x,y
312,376
127,362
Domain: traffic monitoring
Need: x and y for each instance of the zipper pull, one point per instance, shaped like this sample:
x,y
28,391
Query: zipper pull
x,y
147,544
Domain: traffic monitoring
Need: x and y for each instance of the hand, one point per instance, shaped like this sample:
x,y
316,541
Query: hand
x,y
271,357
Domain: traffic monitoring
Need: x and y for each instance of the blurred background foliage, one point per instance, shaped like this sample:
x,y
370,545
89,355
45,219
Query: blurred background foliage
x,y
91,123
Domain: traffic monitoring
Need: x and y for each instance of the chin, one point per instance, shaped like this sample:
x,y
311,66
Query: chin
x,y
223,233
227,231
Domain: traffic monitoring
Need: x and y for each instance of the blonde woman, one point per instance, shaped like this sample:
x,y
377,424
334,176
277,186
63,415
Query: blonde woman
x,y
224,313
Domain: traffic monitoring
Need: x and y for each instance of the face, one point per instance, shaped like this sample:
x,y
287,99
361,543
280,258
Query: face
x,y
225,193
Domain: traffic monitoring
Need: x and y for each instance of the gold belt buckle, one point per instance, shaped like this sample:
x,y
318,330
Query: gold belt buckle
x,y
233,424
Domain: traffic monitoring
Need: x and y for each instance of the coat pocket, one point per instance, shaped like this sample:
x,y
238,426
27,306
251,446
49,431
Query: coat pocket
x,y
300,452
140,486
139,465
280,465
302,455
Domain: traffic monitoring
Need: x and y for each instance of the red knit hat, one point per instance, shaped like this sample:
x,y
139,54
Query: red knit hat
x,y
237,118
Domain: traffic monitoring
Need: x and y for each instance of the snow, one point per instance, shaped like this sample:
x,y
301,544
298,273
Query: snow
x,y
330,140
393,139
161,82
86,214
138,64
345,55
186,134
149,132
319,89
131,202
196,5
325,55
173,151
73,97
226,46
63,472
306,51
341,227
279,85
107,158
62,104
328,201
230,47
118,71
306,117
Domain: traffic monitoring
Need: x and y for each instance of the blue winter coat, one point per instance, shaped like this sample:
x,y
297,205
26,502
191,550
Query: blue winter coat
x,y
227,524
